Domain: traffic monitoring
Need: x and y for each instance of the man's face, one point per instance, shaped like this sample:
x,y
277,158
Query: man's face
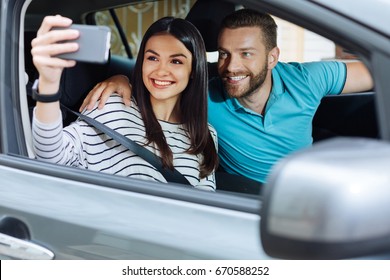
x,y
242,62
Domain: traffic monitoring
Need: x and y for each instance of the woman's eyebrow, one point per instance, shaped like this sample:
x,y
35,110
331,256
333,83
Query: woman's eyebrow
x,y
172,55
152,51
243,49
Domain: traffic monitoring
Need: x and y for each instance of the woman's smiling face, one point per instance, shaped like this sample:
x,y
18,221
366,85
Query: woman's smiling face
x,y
166,68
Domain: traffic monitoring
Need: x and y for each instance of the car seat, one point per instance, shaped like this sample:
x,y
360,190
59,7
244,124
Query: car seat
x,y
207,16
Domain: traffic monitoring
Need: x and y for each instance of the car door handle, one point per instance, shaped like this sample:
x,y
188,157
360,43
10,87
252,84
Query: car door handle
x,y
16,248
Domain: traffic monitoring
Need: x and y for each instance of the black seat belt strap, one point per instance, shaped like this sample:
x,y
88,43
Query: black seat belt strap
x,y
169,175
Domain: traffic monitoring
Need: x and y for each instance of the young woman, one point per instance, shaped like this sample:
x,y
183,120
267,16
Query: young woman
x,y
168,113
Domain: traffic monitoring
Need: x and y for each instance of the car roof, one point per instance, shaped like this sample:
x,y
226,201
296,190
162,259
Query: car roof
x,y
74,9
373,13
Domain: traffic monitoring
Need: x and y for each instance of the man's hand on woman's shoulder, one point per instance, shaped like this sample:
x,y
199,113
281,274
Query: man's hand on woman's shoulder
x,y
103,90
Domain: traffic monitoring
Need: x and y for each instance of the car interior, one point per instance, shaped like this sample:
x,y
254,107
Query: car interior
x,y
347,115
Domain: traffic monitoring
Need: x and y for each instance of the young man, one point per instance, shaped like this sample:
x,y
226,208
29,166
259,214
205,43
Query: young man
x,y
261,108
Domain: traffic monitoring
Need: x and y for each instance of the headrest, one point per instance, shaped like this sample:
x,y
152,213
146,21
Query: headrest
x,y
207,16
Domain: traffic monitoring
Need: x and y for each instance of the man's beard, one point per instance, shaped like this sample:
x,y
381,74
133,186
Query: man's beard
x,y
255,82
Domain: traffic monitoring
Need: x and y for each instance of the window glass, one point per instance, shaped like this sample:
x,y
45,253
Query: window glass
x,y
295,42
299,44
135,19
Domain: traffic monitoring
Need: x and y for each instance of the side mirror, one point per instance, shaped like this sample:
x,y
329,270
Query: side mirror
x,y
331,201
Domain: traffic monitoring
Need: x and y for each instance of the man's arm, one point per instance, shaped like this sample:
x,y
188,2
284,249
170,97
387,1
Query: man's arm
x,y
118,83
358,78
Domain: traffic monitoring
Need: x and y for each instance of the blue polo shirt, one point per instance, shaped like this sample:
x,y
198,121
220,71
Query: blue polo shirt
x,y
250,143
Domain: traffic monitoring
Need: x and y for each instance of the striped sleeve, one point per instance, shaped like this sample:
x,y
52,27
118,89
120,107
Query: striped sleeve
x,y
53,144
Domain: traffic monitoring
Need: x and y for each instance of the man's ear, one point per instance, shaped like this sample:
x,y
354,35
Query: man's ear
x,y
273,57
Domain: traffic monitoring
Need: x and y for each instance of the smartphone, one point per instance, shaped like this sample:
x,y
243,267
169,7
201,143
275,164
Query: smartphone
x,y
94,44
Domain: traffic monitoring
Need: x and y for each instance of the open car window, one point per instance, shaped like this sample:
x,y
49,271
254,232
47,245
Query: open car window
x,y
334,117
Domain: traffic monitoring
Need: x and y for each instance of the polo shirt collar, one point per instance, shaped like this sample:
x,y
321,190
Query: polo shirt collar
x,y
278,88
231,102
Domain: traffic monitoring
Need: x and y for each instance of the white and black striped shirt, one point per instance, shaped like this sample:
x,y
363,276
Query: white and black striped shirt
x,y
81,145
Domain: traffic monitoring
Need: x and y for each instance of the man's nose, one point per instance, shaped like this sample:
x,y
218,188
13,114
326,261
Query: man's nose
x,y
233,63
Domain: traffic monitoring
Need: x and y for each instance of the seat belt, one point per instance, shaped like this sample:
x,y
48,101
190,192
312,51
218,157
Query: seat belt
x,y
169,175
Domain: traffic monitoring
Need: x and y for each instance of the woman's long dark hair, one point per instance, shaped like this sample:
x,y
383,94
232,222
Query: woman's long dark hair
x,y
193,101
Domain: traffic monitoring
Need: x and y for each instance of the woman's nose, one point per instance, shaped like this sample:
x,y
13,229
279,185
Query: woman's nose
x,y
163,69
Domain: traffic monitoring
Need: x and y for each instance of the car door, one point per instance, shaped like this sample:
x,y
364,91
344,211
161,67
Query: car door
x,y
76,216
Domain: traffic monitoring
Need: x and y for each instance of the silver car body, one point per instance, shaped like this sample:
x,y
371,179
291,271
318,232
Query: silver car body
x,y
78,214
